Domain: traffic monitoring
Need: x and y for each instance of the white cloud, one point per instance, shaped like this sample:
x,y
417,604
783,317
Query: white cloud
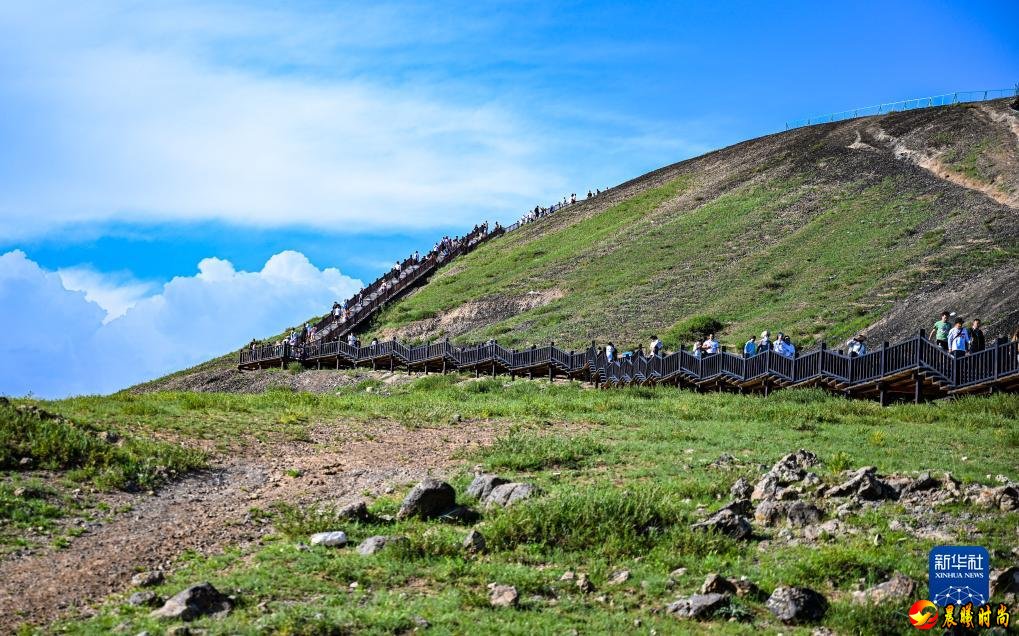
x,y
115,294
58,341
131,113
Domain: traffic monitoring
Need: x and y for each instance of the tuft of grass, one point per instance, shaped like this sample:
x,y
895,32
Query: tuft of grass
x,y
521,452
39,440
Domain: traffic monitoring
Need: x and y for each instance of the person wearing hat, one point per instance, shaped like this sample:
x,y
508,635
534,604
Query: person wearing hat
x,y
857,346
765,342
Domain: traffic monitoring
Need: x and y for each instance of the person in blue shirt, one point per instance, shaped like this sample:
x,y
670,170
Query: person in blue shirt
x,y
750,348
958,339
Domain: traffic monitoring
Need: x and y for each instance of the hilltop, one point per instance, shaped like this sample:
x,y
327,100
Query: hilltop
x,y
870,224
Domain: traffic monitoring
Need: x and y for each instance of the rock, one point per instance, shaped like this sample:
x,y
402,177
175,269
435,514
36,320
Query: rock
x,y
951,484
372,545
356,511
584,584
802,513
728,523
474,542
770,512
503,595
766,488
1005,582
1004,498
619,577
922,483
678,573
830,528
797,605
899,586
337,539
717,584
198,600
725,460
483,485
428,499
461,515
741,489
863,484
698,606
20,492
568,575
746,588
146,599
147,579
508,494
740,506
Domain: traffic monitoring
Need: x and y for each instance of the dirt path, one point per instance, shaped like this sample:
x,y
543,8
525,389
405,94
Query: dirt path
x,y
209,511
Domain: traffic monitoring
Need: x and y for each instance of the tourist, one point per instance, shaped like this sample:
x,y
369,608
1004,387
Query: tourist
x,y
940,331
788,349
656,345
610,352
857,346
976,337
958,339
711,345
698,349
351,340
764,344
750,347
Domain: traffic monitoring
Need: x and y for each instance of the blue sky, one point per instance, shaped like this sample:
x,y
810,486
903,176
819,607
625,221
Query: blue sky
x,y
142,138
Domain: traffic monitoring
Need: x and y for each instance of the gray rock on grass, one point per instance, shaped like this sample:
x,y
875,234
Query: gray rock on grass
x,y
430,498
508,494
483,485
793,605
198,600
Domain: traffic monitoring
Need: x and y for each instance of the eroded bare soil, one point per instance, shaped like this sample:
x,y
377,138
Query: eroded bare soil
x,y
209,511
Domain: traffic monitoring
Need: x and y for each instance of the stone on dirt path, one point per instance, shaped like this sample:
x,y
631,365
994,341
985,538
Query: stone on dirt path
x,y
198,600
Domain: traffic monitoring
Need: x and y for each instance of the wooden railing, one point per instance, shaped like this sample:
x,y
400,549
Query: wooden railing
x,y
915,362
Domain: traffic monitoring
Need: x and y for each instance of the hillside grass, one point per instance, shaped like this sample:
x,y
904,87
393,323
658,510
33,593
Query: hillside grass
x,y
648,264
623,475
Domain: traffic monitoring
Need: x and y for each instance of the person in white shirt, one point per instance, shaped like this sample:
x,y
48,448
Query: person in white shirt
x,y
351,340
787,349
958,339
698,349
857,346
711,345
610,352
656,346
765,343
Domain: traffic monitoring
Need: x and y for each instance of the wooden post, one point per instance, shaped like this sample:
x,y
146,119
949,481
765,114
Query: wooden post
x,y
883,393
443,364
917,386
767,388
493,369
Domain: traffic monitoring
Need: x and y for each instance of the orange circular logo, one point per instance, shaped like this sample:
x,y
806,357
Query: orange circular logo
x,y
923,615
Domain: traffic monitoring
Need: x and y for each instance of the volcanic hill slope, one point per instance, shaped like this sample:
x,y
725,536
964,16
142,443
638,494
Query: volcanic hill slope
x,y
876,223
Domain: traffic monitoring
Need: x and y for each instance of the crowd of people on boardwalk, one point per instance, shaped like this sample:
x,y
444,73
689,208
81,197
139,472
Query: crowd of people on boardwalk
x,y
540,212
950,333
401,270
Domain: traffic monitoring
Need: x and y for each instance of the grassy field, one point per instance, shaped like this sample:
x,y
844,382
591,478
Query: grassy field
x,y
623,474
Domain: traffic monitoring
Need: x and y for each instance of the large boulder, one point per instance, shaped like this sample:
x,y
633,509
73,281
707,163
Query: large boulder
x,y
728,523
741,489
1004,498
508,494
431,498
356,511
863,484
797,605
483,485
898,587
802,513
770,512
198,600
1005,583
698,606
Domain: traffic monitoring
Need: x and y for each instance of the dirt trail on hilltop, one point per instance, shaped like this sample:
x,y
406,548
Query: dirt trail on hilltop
x,y
209,511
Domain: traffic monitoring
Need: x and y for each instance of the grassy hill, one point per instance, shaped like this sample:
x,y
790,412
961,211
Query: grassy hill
x,y
819,231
